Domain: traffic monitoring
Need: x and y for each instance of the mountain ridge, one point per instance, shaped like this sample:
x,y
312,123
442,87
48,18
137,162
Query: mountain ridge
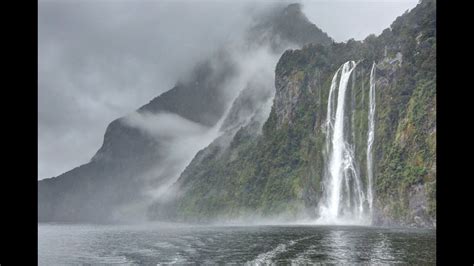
x,y
123,166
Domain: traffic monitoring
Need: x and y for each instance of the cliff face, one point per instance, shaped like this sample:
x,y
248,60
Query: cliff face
x,y
278,170
131,160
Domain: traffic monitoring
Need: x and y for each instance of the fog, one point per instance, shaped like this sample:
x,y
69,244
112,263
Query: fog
x,y
180,139
100,60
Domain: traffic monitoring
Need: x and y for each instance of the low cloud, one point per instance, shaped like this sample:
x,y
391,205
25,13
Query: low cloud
x,y
164,125
180,139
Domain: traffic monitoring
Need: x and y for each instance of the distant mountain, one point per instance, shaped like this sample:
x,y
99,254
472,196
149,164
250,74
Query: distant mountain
x,y
288,26
131,159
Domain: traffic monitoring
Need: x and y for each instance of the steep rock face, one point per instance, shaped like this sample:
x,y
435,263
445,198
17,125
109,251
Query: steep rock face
x,y
130,160
280,171
287,97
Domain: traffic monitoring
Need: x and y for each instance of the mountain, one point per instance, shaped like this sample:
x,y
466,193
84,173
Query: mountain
x,y
276,168
289,26
140,151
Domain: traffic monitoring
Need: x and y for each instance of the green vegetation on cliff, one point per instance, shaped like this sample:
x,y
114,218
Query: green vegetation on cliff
x,y
279,169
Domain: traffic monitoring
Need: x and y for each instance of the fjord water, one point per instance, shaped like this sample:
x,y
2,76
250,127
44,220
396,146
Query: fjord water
x,y
173,243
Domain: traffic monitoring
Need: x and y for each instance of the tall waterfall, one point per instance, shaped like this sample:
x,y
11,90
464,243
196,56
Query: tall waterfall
x,y
344,198
370,139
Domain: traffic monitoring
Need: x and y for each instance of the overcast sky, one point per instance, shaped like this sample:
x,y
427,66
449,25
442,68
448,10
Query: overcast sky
x,y
100,60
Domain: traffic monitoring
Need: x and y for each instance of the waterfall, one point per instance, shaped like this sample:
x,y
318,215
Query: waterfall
x,y
344,197
370,138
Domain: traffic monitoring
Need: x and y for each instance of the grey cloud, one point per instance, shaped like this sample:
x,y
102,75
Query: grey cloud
x,y
347,19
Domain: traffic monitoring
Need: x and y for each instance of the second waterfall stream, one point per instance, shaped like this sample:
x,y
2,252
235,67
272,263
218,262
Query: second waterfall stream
x,y
346,200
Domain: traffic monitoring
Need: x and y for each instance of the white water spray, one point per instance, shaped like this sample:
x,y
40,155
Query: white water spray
x,y
370,139
344,195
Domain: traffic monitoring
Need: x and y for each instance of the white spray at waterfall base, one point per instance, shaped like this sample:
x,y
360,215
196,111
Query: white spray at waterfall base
x,y
344,200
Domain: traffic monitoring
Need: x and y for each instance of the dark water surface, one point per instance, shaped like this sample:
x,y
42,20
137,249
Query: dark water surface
x,y
181,244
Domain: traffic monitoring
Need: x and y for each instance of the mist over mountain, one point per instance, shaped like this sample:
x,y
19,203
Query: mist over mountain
x,y
144,152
